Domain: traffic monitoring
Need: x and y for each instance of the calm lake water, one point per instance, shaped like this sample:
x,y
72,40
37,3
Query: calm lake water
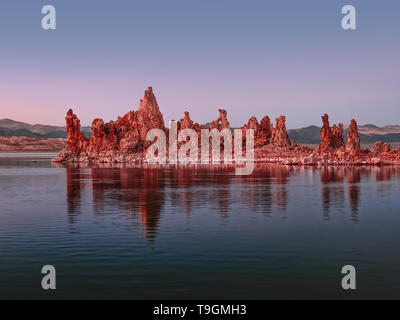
x,y
197,232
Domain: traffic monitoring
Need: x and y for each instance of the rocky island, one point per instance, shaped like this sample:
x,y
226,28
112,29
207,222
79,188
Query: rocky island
x,y
124,140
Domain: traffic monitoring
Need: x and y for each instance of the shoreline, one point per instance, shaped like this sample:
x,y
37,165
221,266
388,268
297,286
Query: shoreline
x,y
311,160
257,164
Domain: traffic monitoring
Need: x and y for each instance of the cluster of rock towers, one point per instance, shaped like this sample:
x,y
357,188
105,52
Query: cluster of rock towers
x,y
117,140
332,138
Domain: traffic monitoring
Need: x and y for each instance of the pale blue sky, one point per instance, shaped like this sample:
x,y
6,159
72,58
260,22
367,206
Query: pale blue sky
x,y
251,57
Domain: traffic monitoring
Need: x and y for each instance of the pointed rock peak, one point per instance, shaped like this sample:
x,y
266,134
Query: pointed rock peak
x,y
148,94
353,124
280,123
149,90
265,120
75,139
222,121
72,119
222,113
325,120
252,120
252,123
185,122
149,102
148,116
223,118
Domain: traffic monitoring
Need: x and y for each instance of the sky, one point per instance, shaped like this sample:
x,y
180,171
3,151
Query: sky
x,y
249,57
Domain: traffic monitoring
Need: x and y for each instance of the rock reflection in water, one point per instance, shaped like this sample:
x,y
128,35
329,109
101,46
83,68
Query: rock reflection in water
x,y
145,191
75,186
335,180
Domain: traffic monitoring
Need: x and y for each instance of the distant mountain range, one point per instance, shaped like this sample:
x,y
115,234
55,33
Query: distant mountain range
x,y
10,128
369,133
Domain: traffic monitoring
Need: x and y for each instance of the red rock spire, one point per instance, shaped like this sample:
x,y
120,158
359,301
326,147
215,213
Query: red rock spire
x,y
353,139
280,137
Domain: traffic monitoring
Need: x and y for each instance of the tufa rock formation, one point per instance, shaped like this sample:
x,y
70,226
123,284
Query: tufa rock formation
x,y
353,139
262,131
222,121
187,123
280,137
331,137
265,133
381,147
76,140
148,116
326,135
337,136
119,141
124,140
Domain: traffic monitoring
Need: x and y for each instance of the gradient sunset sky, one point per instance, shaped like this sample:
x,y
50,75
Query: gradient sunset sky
x,y
250,57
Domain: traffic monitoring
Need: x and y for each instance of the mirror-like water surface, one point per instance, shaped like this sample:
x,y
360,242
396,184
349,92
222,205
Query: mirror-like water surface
x,y
196,231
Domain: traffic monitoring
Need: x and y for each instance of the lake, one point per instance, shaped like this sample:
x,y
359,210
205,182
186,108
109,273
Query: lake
x,y
197,232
